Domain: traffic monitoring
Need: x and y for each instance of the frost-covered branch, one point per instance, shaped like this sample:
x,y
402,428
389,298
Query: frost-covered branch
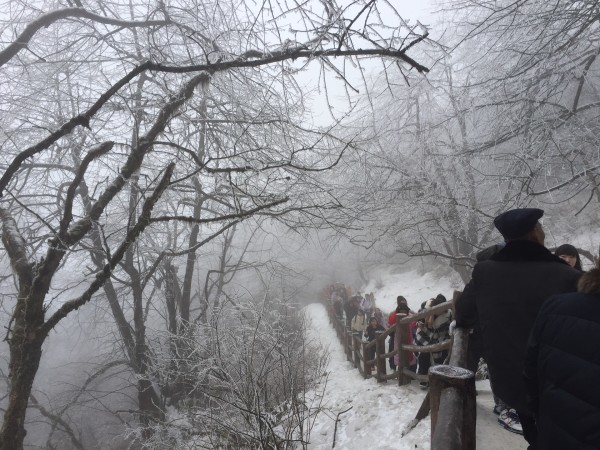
x,y
143,221
47,19
79,120
96,152
238,215
134,161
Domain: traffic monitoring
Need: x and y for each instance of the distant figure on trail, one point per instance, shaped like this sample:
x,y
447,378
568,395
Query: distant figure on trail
x,y
562,368
338,304
372,328
367,304
350,309
504,296
379,316
371,335
401,308
568,253
359,322
432,330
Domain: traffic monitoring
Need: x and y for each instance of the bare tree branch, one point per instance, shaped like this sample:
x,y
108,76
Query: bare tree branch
x,y
142,222
45,20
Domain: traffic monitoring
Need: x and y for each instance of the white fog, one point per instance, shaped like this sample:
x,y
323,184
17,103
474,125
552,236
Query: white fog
x,y
181,182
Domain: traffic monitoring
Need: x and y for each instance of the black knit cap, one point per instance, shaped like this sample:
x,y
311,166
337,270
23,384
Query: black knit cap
x,y
567,249
516,223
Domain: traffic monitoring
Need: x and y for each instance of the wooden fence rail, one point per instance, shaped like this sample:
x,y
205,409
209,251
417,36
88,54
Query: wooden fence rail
x,y
451,387
358,352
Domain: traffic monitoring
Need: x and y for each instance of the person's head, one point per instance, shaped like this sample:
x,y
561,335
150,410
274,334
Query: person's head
x,y
521,224
400,300
373,322
403,309
569,254
589,283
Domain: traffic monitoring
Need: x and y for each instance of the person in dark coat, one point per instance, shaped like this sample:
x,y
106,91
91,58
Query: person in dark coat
x,y
350,309
562,368
433,330
505,294
371,332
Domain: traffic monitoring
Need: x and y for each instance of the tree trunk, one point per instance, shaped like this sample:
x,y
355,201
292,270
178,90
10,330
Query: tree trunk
x,y
26,361
25,353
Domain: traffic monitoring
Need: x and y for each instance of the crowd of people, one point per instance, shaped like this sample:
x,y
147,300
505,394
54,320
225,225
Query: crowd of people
x,y
366,320
533,316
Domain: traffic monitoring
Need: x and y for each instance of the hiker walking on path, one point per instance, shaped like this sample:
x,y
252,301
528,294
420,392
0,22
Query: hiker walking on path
x,y
371,335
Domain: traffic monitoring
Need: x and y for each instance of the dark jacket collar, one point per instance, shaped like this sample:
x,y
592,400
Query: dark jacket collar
x,y
522,250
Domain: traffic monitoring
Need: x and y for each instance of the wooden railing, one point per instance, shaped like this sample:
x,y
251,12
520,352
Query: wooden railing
x,y
451,387
357,351
452,399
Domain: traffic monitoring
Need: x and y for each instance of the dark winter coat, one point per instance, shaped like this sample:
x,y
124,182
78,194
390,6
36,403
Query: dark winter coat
x,y
439,331
371,332
505,294
562,371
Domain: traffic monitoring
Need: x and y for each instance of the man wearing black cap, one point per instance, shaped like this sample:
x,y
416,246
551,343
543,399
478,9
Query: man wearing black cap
x,y
504,297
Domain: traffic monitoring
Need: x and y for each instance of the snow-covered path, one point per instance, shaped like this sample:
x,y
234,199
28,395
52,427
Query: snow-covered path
x,y
380,411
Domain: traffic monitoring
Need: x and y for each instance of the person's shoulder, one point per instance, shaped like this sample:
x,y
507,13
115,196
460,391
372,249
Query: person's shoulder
x,y
567,271
570,303
482,266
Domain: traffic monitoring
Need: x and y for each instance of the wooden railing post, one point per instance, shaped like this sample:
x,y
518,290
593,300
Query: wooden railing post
x,y
379,359
403,356
366,367
348,343
453,408
356,345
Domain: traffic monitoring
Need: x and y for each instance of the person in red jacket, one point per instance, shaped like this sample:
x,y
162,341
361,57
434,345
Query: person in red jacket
x,y
403,309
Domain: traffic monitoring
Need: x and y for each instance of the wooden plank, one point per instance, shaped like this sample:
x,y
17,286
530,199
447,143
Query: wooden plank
x,y
356,346
348,345
366,366
403,356
460,346
390,354
415,376
447,429
381,359
390,376
453,412
439,309
429,348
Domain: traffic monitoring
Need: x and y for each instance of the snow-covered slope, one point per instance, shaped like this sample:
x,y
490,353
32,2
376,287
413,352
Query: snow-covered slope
x,y
415,286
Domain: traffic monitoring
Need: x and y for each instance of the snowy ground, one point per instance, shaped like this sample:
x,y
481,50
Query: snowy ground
x,y
380,411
